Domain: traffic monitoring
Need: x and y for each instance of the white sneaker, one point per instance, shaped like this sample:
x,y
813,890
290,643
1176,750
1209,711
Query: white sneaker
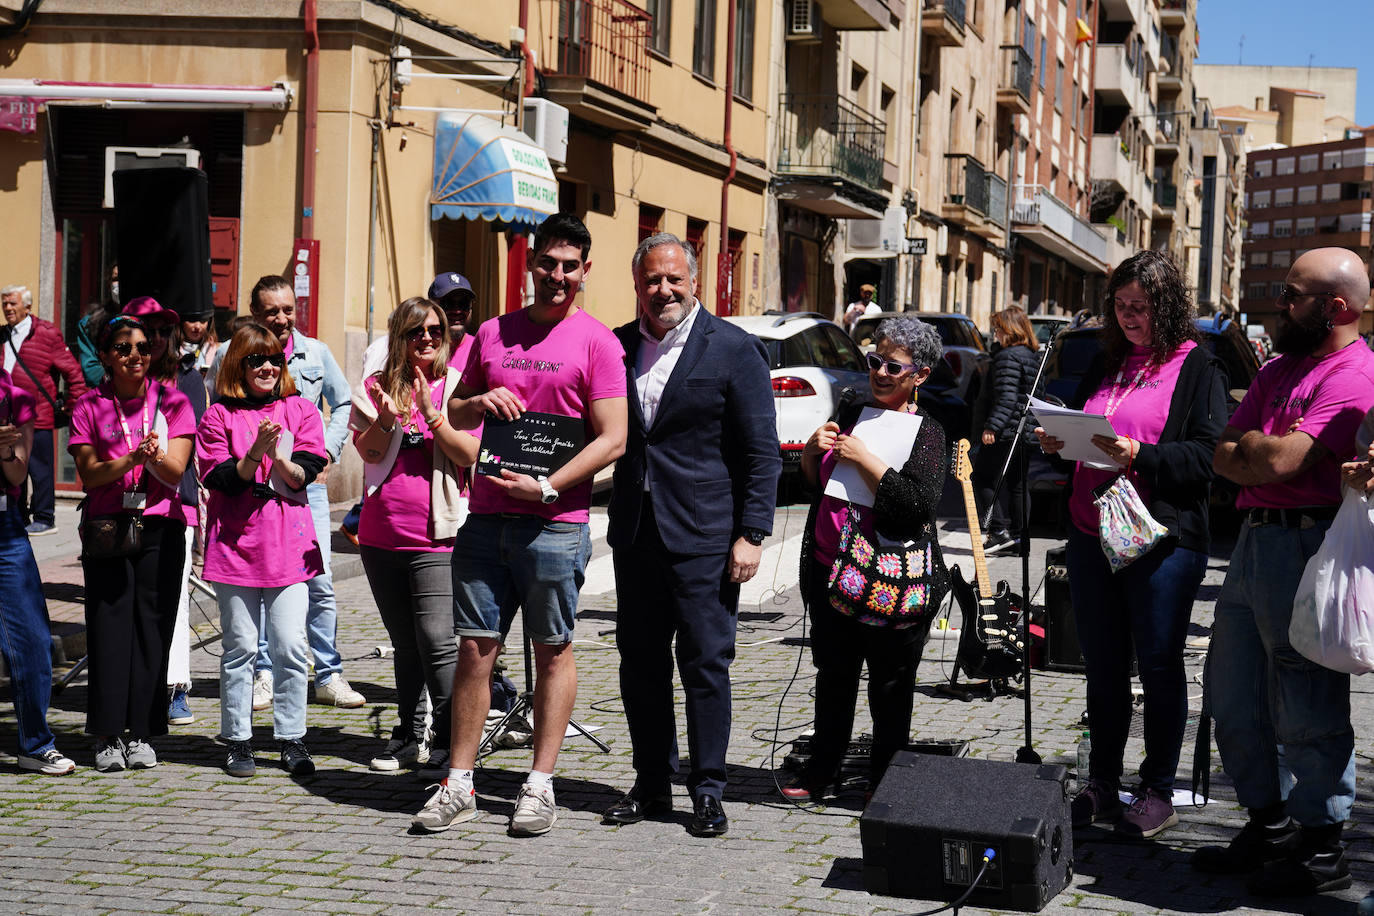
x,y
337,692
262,691
534,812
399,752
445,808
49,763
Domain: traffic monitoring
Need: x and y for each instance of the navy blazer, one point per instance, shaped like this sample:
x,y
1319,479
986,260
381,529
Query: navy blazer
x,y
711,456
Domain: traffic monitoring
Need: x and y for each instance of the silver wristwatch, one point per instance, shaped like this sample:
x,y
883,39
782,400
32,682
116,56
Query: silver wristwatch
x,y
550,494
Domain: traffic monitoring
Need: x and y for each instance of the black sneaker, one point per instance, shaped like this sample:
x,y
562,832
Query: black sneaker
x,y
999,541
1257,846
240,761
296,759
1318,865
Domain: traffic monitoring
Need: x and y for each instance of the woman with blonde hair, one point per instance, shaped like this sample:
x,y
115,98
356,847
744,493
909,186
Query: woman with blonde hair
x,y
257,448
417,481
1014,368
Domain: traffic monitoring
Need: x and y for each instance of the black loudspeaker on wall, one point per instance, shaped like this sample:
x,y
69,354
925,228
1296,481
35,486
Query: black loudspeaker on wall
x,y
162,237
926,829
1062,652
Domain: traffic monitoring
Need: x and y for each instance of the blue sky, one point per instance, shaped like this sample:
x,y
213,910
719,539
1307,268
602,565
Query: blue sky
x,y
1286,33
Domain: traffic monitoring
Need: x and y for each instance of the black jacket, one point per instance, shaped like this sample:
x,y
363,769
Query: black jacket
x,y
1013,373
1178,469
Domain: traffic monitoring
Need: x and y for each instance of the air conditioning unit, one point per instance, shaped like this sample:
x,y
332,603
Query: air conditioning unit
x,y
803,21
547,123
143,157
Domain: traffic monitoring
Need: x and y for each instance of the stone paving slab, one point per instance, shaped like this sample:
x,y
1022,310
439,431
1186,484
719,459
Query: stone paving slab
x,y
186,838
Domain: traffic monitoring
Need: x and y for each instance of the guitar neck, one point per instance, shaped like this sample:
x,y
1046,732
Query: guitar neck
x,y
980,563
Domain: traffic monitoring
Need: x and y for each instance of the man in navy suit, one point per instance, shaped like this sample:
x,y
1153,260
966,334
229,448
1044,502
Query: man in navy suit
x,y
692,502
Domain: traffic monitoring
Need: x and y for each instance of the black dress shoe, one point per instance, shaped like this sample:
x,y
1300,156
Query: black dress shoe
x,y
636,805
709,818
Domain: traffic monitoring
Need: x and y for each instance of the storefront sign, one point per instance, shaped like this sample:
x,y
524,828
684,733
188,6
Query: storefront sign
x,y
19,115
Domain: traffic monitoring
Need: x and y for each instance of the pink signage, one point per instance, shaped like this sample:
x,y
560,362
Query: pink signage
x,y
19,115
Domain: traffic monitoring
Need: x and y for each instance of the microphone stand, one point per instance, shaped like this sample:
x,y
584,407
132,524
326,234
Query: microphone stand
x,y
1026,753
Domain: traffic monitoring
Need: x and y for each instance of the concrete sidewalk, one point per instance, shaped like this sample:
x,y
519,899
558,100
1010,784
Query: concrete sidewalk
x,y
186,838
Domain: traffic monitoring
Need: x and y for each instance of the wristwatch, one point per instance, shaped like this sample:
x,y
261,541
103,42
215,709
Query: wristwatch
x,y
550,494
753,535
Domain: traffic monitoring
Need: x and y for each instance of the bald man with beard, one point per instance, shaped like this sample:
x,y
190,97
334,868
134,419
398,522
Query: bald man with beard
x,y
1285,446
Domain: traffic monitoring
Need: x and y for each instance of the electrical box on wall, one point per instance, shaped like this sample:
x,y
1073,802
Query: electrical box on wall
x,y
547,123
143,157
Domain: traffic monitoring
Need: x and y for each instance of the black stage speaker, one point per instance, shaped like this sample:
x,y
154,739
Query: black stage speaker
x,y
162,237
928,824
1062,652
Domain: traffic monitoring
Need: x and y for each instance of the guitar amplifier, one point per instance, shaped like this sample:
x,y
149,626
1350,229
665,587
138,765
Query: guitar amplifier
x,y
1062,652
925,831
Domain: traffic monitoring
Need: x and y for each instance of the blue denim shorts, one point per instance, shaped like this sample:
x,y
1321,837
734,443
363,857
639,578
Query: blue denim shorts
x,y
505,562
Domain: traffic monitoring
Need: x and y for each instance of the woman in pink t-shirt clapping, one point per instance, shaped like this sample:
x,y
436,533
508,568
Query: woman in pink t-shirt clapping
x,y
256,450
131,439
417,482
1165,398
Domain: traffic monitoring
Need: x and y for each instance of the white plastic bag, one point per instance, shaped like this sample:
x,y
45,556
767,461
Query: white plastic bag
x,y
1333,611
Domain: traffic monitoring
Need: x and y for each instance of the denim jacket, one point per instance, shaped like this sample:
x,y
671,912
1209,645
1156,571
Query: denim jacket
x,y
318,379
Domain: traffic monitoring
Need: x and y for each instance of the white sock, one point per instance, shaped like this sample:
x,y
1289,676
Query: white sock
x,y
460,780
540,781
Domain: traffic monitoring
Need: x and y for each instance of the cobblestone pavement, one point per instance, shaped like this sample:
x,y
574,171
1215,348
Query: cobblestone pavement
x,y
186,838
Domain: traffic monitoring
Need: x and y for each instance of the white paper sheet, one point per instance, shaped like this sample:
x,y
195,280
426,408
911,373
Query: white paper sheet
x,y
1076,430
285,442
889,434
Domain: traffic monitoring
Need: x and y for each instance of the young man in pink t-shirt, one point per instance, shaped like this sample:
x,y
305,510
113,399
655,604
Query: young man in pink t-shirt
x,y
526,543
1285,446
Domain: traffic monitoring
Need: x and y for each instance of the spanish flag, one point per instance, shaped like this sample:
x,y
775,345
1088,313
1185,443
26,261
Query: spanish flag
x,y
1084,33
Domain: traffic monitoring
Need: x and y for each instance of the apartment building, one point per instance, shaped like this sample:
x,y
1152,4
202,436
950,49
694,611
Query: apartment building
x,y
1221,163
1059,259
1175,177
1311,196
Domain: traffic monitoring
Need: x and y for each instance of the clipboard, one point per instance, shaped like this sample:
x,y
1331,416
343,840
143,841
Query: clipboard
x,y
1076,429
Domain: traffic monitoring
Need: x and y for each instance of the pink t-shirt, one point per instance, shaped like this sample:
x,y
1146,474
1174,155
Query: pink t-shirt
x,y
1138,399
95,422
1331,395
397,515
266,543
560,369
16,408
458,356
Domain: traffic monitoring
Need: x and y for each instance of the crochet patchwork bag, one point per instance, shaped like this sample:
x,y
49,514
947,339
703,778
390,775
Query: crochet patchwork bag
x,y
882,584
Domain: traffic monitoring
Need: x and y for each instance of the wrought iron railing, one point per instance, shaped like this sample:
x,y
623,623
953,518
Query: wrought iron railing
x,y
1017,70
966,182
997,200
824,134
1166,195
605,41
954,9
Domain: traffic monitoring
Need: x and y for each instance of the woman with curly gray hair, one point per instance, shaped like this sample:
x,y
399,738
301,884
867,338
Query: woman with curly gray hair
x,y
1165,397
846,632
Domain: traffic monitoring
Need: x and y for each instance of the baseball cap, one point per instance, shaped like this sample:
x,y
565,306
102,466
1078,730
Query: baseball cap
x,y
149,311
447,283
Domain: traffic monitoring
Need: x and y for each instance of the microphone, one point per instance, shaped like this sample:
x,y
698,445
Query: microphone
x,y
847,399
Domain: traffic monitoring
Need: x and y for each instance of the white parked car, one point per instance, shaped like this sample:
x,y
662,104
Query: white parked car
x,y
811,361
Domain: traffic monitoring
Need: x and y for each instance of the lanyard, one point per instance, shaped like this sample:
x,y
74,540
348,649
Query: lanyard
x,y
1114,399
129,439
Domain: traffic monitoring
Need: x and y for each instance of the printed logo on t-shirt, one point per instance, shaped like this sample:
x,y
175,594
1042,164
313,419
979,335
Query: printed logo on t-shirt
x,y
524,364
1294,403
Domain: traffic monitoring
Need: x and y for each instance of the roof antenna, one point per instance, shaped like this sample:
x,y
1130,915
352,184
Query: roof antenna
x,y
1240,52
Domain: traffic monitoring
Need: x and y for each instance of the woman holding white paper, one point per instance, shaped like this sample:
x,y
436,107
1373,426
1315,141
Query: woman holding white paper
x,y
1165,398
894,504
257,448
417,484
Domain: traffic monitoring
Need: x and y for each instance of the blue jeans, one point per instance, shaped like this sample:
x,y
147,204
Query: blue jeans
x,y
502,563
1147,604
1265,694
322,620
240,610
25,633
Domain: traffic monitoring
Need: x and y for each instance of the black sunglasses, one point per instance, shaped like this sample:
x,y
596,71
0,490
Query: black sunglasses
x,y
894,368
258,360
124,348
432,331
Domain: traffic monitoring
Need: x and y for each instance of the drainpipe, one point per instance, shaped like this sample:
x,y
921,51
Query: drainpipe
x,y
312,116
516,246
723,306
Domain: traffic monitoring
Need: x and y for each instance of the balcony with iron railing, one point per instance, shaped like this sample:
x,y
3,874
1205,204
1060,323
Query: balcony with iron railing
x,y
1014,85
997,200
966,190
829,137
1053,225
1169,130
596,60
942,21
1170,66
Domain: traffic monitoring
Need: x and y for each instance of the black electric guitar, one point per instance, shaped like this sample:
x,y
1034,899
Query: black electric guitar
x,y
990,642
